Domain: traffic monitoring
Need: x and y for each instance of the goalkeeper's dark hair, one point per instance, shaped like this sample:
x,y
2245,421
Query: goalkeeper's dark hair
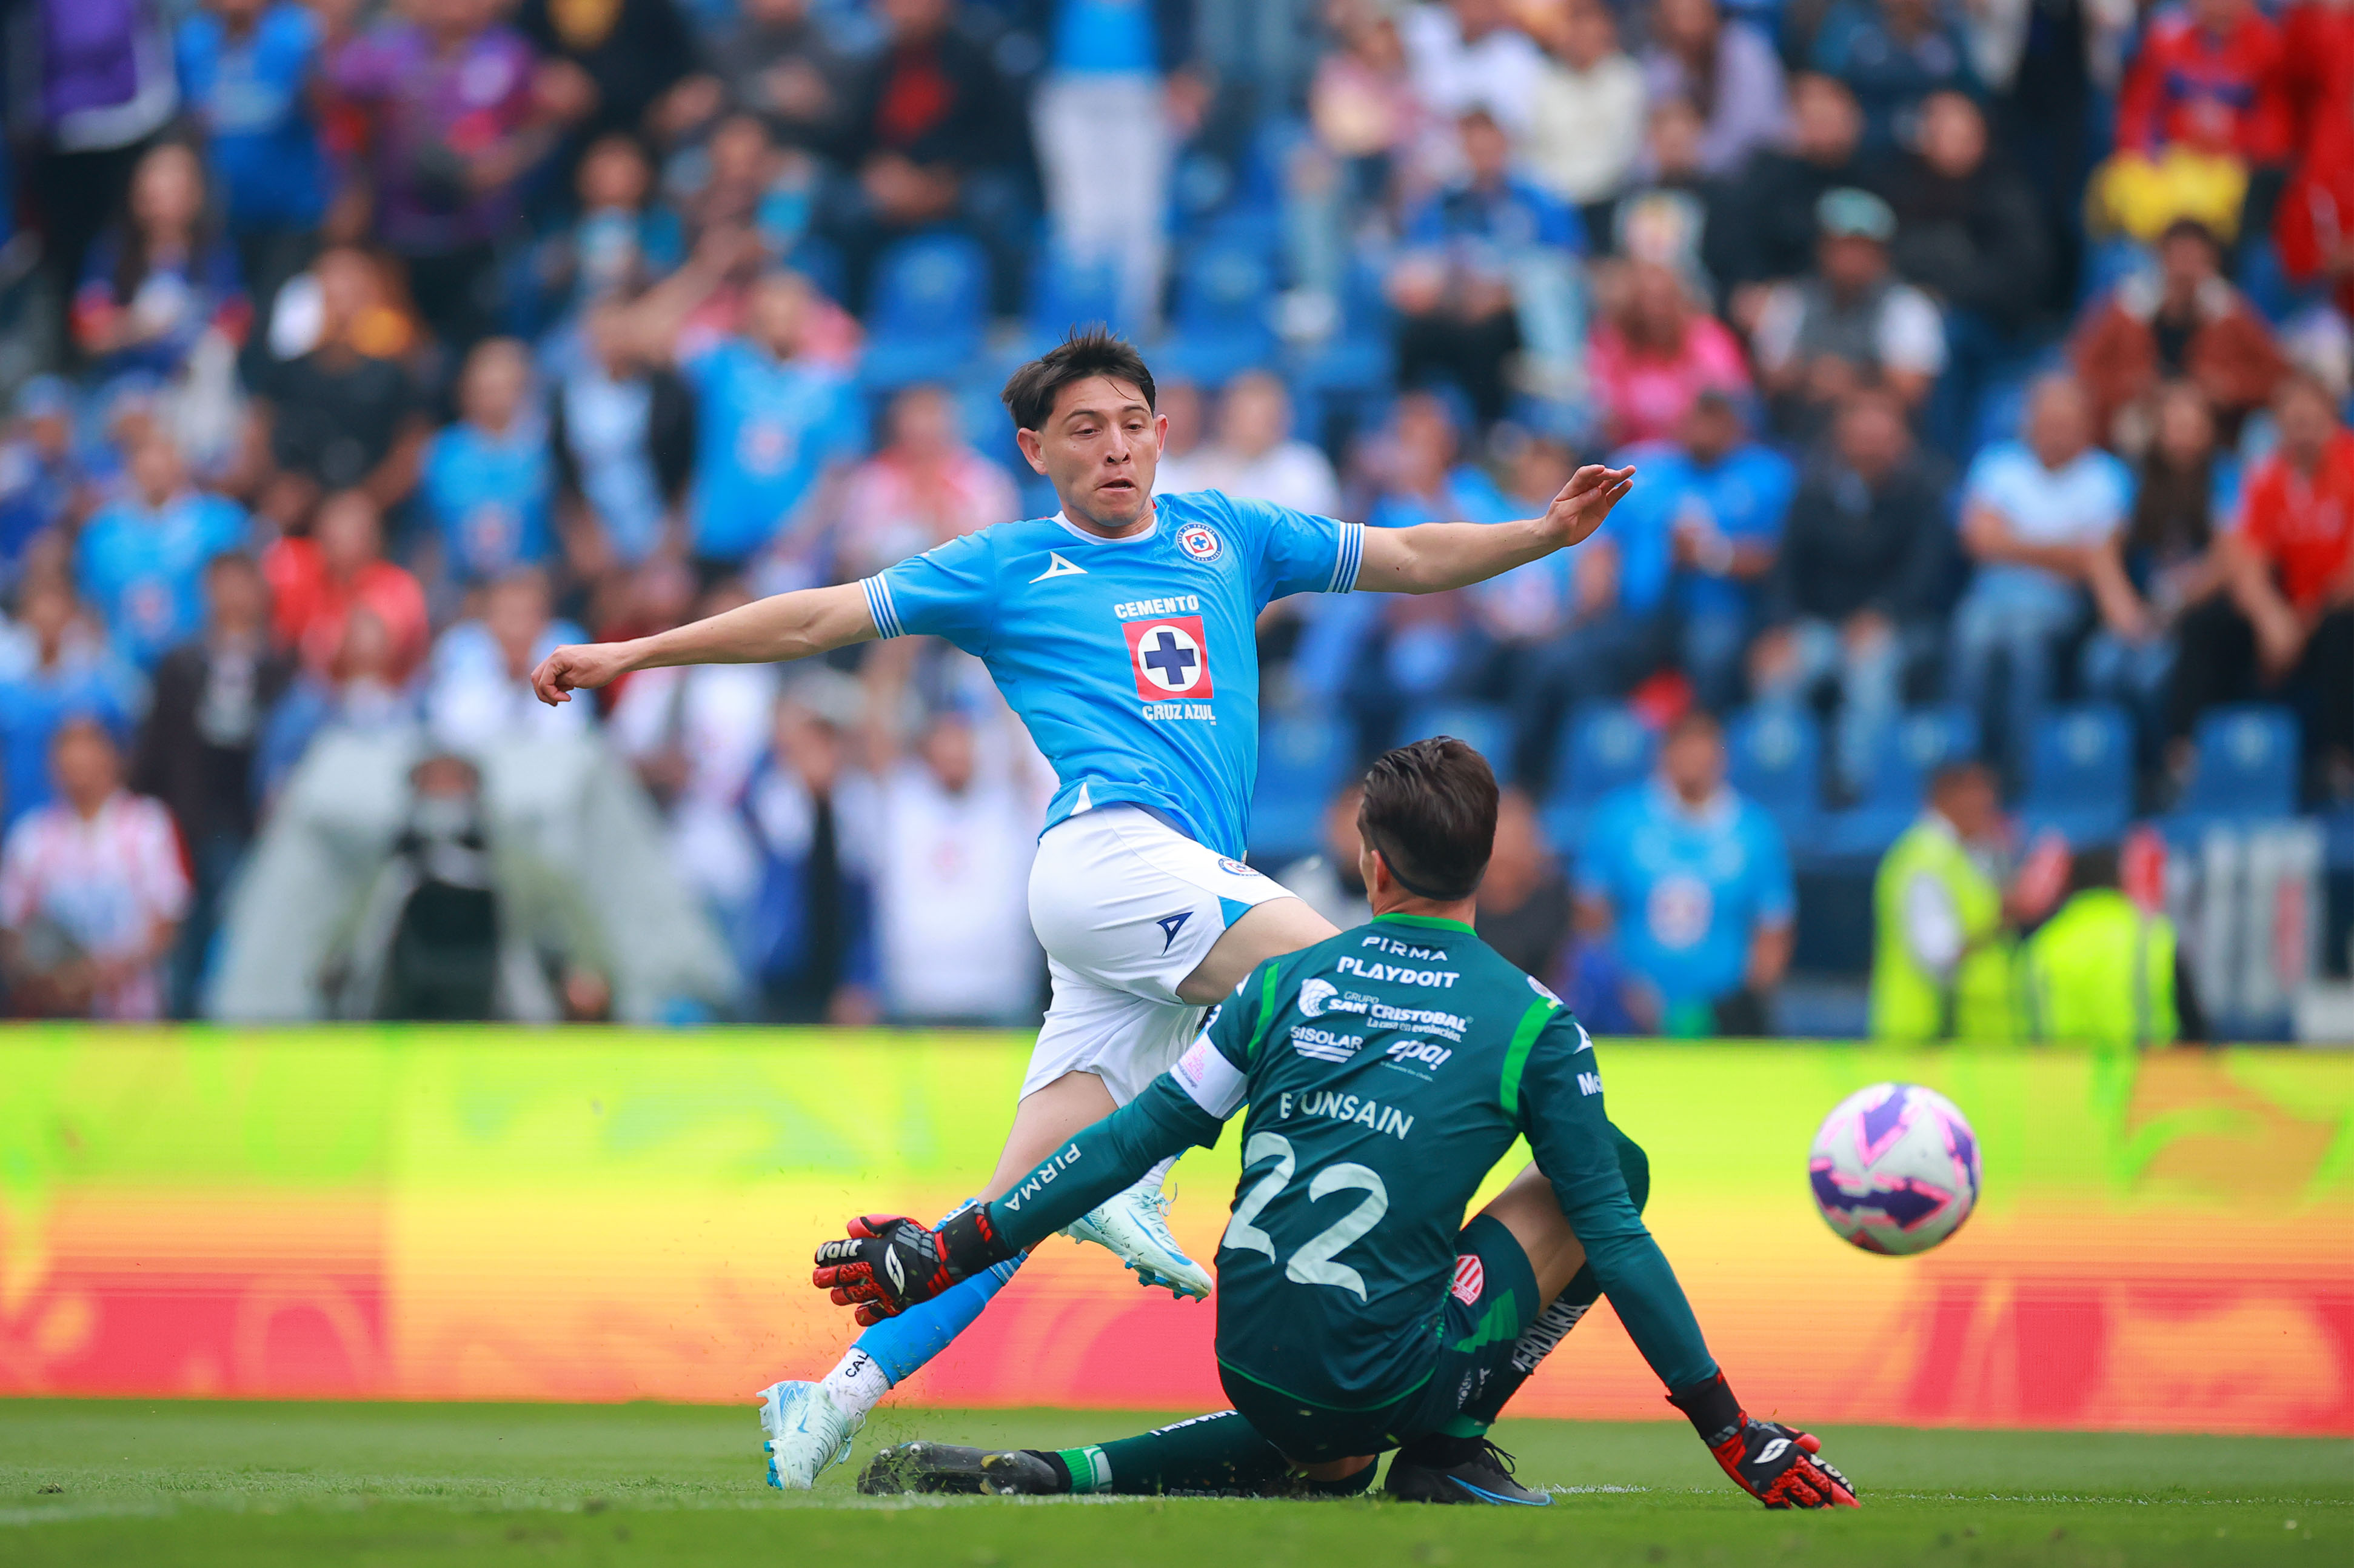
x,y
1430,812
1084,352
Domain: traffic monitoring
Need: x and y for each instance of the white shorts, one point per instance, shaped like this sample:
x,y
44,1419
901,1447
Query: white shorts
x,y
1127,906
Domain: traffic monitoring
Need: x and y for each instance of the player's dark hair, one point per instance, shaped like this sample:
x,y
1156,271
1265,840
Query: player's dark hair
x,y
1084,353
1430,812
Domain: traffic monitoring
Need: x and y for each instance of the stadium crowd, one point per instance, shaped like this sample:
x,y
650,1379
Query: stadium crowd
x,y
1986,359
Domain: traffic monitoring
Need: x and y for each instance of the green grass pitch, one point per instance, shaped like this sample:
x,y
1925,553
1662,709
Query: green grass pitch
x,y
163,1484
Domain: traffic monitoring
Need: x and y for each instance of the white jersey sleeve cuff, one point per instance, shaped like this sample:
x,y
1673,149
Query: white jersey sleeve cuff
x,y
1352,554
879,606
1209,1080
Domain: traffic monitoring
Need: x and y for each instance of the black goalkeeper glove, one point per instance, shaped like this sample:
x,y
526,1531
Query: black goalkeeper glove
x,y
888,1261
1773,1463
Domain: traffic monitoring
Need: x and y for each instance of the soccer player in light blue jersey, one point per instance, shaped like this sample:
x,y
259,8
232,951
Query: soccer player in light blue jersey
x,y
1122,631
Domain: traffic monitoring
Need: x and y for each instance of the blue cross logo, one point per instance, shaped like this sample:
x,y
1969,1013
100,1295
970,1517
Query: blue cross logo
x,y
1168,659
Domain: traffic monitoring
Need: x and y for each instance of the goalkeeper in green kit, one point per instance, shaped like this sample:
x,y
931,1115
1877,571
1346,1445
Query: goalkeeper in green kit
x,y
1386,1069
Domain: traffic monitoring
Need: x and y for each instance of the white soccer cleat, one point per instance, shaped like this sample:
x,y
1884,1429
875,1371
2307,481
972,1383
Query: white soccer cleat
x,y
807,1433
1134,1228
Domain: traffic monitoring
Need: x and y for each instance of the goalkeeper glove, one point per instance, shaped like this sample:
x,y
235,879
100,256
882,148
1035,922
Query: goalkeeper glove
x,y
1771,1462
888,1261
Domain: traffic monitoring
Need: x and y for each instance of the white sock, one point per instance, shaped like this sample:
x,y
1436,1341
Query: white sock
x,y
1154,1178
856,1385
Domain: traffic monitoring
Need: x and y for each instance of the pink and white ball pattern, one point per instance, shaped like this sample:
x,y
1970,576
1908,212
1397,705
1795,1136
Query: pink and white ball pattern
x,y
1894,1169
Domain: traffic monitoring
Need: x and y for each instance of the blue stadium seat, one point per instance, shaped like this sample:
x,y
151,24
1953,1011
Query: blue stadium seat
x,y
1776,758
1220,327
929,311
1487,728
1896,779
2247,761
1064,294
2080,774
1604,748
1301,758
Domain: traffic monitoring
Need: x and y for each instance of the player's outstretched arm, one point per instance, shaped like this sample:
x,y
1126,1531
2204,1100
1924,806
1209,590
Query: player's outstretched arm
x,y
766,631
1434,556
888,1263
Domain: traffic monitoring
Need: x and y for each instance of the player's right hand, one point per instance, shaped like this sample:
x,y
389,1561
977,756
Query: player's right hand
x,y
1773,1463
888,1263
578,666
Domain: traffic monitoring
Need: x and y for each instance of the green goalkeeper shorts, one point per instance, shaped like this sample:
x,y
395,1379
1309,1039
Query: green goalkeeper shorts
x,y
1492,1300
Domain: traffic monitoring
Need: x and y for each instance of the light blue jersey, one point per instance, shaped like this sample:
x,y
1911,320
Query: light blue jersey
x,y
1133,661
1687,888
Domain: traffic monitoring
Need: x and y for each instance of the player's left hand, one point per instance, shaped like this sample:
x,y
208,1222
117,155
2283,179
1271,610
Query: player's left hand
x,y
1773,1463
1586,500
888,1263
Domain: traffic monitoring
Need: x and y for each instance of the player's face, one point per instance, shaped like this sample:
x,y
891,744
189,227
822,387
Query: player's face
x,y
1100,446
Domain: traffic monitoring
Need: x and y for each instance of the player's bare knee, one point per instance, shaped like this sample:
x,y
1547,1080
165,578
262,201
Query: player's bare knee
x,y
1529,1210
1278,926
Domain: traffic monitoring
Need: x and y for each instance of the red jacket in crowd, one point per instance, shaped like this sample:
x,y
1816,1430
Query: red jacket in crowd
x,y
2314,224
2219,93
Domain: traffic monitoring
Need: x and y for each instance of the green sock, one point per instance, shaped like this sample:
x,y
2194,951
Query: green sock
x,y
1220,1453
1560,1316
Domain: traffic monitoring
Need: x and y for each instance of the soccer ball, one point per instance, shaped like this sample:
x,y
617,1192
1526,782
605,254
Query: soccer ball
x,y
1894,1169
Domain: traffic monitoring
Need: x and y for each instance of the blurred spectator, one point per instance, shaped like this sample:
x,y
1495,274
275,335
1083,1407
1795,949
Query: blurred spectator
x,y
364,688
1179,401
478,692
2207,77
342,414
2187,322
622,65
1859,584
1117,92
140,559
1725,69
1892,54
621,241
318,580
1769,226
1655,353
1943,933
1525,608
808,940
952,886
1708,508
196,749
247,67
69,673
1693,883
1366,115
769,422
2163,570
2036,511
156,283
2290,561
42,486
780,65
1585,114
695,734
1257,458
455,127
484,480
1676,217
1606,645
1848,323
621,439
1523,910
92,890
1329,880
1468,57
925,486
1473,257
1968,234
2314,222
97,85
923,134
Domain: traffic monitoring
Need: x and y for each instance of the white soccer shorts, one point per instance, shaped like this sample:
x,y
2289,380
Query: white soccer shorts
x,y
1127,906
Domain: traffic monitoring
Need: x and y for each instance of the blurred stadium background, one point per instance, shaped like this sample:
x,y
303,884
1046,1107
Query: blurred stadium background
x,y
1986,365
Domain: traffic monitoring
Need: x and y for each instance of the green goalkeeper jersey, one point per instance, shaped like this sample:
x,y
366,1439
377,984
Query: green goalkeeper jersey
x,y
1387,1069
